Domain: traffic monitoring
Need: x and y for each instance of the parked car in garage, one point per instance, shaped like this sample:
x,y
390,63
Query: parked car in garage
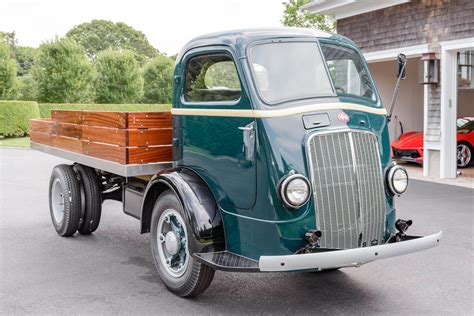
x,y
409,147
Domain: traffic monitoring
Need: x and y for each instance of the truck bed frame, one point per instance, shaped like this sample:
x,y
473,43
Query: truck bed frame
x,y
124,170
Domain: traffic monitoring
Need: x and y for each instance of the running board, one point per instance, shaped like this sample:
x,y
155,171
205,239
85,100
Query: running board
x,y
227,261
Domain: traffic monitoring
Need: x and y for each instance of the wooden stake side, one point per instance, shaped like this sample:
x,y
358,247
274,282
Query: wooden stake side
x,y
122,137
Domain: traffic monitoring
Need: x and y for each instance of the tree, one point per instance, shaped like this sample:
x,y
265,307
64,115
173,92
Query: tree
x,y
8,38
27,88
23,55
158,80
25,58
294,16
100,35
8,81
63,72
119,79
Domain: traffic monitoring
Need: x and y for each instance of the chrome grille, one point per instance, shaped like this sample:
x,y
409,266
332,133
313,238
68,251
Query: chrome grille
x,y
348,189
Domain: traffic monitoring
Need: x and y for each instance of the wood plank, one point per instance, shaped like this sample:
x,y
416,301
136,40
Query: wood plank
x,y
66,116
149,120
41,138
67,130
40,125
104,119
149,137
112,136
67,143
104,151
140,155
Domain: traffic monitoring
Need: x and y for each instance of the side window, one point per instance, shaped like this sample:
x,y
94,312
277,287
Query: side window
x,y
347,71
211,78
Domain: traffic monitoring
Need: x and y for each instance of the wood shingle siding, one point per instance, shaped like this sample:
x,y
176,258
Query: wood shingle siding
x,y
412,23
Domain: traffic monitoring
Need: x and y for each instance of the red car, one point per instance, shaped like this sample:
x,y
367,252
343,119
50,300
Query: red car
x,y
409,147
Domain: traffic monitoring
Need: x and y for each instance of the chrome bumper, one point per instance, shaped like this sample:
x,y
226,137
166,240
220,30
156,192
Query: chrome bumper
x,y
349,257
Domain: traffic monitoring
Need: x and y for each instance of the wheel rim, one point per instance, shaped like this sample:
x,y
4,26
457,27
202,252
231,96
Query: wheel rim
x,y
57,201
172,243
463,155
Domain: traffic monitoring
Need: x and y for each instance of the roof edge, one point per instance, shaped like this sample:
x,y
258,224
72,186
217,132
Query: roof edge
x,y
347,8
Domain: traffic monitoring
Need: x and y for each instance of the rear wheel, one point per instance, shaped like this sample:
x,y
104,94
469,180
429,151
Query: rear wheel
x,y
64,200
170,236
92,199
463,154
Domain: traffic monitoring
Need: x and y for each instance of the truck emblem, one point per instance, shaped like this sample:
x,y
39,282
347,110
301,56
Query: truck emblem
x,y
343,117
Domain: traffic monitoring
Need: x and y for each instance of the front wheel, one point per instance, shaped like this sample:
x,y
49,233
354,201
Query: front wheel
x,y
463,155
170,236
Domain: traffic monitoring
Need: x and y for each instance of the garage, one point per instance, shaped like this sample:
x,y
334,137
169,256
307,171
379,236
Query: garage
x,y
438,39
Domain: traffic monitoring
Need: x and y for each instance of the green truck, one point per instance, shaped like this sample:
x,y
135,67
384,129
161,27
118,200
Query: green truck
x,y
280,162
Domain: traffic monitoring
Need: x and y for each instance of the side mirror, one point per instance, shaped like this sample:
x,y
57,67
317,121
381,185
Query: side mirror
x,y
401,75
402,62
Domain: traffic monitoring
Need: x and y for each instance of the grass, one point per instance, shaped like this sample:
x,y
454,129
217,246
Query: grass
x,y
21,142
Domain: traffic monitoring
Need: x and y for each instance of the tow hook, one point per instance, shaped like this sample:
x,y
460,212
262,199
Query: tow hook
x,y
402,226
312,237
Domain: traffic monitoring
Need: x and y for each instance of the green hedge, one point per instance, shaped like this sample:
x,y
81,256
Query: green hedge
x,y
14,116
45,108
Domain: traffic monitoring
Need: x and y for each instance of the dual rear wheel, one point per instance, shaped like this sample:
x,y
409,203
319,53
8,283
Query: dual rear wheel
x,y
75,205
75,200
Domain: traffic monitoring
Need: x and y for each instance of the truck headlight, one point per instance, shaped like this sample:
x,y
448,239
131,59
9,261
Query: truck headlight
x,y
295,190
397,180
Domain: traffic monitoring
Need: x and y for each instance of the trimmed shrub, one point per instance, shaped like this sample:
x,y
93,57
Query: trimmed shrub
x,y
119,78
158,80
14,117
63,73
45,108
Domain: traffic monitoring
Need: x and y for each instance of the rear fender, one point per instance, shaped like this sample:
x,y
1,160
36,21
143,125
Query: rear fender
x,y
201,210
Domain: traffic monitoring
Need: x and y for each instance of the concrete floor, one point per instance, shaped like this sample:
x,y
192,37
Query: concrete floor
x,y
465,179
111,272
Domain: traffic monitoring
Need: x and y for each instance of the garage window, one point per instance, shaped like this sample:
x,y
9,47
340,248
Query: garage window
x,y
211,78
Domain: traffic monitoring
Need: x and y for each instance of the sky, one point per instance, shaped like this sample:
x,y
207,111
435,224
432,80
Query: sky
x,y
168,25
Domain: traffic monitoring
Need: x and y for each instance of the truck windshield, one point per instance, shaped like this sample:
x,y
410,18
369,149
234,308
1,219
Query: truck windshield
x,y
289,71
348,71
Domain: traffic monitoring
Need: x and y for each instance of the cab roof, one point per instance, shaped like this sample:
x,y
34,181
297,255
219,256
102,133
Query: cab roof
x,y
239,39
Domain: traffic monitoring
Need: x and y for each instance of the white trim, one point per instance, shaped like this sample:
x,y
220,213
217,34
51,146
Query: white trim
x,y
391,54
426,160
347,257
458,44
448,100
432,146
347,8
280,112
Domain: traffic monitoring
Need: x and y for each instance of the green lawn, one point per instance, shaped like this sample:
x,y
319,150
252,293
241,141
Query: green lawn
x,y
22,142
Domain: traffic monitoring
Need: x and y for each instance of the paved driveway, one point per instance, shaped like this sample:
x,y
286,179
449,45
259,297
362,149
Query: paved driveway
x,y
112,272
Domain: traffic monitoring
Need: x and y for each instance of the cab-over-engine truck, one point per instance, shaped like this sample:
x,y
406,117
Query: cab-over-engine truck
x,y
274,157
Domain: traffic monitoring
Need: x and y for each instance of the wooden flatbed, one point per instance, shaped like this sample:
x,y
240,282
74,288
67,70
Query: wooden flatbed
x,y
124,143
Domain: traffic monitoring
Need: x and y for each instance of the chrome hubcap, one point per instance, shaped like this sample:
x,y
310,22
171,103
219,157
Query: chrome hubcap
x,y
172,243
57,201
463,155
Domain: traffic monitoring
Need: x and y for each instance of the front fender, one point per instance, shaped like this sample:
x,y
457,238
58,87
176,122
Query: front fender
x,y
200,208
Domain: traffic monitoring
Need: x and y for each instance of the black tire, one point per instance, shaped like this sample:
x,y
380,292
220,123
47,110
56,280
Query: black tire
x,y
469,153
92,199
65,205
197,277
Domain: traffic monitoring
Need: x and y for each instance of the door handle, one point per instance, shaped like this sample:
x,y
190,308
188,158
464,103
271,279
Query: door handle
x,y
246,128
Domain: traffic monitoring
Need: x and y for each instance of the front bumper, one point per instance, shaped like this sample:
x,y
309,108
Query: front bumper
x,y
349,257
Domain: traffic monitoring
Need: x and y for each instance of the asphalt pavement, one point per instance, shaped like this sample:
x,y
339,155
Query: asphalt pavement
x,y
111,271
